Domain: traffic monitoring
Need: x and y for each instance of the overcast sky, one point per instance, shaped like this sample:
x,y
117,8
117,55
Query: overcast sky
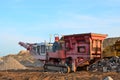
x,y
35,20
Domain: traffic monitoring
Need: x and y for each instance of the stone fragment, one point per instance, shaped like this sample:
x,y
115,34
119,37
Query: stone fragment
x,y
106,65
108,78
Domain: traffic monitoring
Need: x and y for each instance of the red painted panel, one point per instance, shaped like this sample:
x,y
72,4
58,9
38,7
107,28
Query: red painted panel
x,y
57,54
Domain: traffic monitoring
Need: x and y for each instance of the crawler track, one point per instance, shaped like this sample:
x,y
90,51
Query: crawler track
x,y
57,68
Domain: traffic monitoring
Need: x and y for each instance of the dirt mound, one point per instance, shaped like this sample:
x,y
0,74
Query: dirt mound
x,y
23,52
11,63
29,63
26,59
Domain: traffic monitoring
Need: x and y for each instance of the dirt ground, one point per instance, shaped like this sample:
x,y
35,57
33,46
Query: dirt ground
x,y
40,75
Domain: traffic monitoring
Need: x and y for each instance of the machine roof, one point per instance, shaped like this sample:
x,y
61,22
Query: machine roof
x,y
90,34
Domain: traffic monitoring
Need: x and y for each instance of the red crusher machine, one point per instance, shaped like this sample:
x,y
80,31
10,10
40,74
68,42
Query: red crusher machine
x,y
69,52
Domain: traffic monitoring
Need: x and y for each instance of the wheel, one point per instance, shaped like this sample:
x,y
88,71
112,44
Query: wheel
x,y
65,69
68,69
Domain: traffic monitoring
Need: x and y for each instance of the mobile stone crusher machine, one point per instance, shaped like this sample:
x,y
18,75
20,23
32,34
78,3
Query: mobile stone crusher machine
x,y
69,52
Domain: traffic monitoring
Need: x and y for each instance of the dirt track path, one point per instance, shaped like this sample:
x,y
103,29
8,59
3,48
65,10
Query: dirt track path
x,y
82,75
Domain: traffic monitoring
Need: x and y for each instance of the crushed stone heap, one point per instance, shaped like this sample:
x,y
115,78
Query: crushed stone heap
x,y
11,63
106,65
25,58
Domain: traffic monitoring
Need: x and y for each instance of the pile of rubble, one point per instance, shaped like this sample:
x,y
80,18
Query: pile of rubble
x,y
26,59
9,63
106,65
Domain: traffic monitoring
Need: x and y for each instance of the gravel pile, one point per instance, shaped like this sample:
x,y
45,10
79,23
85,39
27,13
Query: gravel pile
x,y
106,65
29,63
25,58
10,63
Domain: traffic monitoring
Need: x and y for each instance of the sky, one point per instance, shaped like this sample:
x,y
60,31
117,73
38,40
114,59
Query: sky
x,y
35,20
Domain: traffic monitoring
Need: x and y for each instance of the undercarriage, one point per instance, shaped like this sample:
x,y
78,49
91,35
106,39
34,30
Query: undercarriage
x,y
57,68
